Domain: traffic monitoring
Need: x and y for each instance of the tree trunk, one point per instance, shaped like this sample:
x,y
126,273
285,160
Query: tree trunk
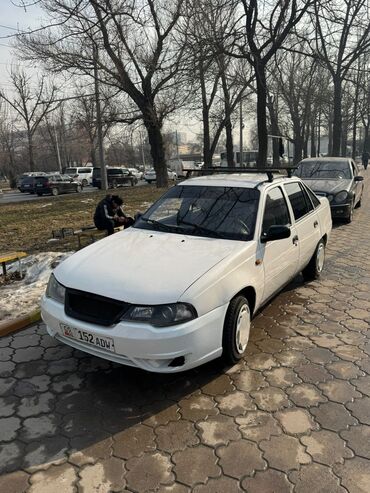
x,y
298,142
344,141
330,135
366,138
229,142
313,140
337,116
30,151
355,112
274,131
155,137
207,154
260,71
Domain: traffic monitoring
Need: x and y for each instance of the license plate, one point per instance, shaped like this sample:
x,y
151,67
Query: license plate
x,y
39,185
86,337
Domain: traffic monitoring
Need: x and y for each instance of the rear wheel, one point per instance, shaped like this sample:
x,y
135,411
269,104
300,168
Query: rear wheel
x,y
114,184
84,182
316,264
236,329
55,191
39,194
78,189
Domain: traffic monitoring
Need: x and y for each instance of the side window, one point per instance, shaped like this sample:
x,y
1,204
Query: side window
x,y
314,199
354,168
298,199
276,210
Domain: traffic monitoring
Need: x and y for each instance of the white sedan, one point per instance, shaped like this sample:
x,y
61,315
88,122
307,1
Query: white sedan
x,y
134,171
151,176
223,246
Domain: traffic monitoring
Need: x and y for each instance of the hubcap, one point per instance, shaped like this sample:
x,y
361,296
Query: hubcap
x,y
320,257
243,326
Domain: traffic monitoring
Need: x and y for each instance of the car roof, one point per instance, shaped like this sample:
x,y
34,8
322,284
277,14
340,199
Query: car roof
x,y
326,159
246,180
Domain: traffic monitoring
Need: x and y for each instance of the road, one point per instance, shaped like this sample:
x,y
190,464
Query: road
x,y
293,415
16,196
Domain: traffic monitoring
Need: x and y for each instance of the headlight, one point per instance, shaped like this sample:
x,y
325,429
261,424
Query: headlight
x,y
162,315
55,290
341,197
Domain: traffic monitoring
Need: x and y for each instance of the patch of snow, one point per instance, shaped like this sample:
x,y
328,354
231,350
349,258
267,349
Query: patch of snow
x,y
48,204
21,297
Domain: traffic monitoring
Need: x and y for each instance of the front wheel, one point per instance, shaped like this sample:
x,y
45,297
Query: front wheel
x,y
349,218
84,182
316,264
55,191
78,189
236,329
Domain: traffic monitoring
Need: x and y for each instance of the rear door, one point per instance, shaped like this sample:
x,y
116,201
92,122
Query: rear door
x,y
280,257
306,221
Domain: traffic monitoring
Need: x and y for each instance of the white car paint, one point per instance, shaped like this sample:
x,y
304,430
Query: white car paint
x,y
151,175
145,267
136,172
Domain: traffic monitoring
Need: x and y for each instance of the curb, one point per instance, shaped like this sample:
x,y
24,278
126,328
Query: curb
x,y
9,326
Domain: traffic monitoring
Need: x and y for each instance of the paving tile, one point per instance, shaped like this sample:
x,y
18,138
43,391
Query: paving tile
x,y
360,409
315,478
36,428
281,377
235,404
59,479
354,474
11,457
195,465
40,454
220,485
36,404
296,421
197,407
306,395
313,373
258,426
344,369
133,441
8,428
149,471
15,482
339,391
241,458
249,380
333,416
270,399
91,454
269,481
7,406
176,436
218,386
104,477
294,453
358,439
326,447
218,430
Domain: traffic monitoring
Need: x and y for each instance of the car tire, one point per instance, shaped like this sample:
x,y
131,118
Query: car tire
x,y
349,218
114,184
236,329
84,182
55,191
78,189
358,205
39,194
316,264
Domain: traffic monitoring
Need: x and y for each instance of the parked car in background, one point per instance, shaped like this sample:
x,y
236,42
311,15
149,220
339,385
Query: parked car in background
x,y
336,178
25,182
56,184
136,172
150,175
116,177
82,174
227,243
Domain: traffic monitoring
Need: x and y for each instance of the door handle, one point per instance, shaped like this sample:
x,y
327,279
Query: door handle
x,y
295,240
315,224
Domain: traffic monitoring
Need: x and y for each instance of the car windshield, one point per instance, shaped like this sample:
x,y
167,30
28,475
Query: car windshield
x,y
334,170
216,212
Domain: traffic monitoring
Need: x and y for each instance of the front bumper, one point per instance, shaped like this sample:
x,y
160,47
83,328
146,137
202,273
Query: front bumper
x,y
340,210
143,346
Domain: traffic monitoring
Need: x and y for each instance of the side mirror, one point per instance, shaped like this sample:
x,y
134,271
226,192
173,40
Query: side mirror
x,y
359,178
277,232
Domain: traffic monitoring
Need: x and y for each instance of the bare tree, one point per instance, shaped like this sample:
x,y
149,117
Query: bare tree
x,y
342,36
30,104
261,32
138,53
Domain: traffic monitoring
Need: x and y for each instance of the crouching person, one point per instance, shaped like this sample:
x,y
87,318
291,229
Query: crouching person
x,y
109,214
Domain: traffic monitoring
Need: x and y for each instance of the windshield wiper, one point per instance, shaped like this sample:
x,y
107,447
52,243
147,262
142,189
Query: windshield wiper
x,y
203,229
162,226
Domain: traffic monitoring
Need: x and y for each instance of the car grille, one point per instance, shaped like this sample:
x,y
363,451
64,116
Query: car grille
x,y
93,308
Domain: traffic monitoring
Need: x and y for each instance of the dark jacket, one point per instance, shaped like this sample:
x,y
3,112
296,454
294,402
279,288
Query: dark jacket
x,y
104,210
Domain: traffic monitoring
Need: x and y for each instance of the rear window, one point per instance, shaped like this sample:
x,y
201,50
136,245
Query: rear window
x,y
116,171
42,179
84,170
70,170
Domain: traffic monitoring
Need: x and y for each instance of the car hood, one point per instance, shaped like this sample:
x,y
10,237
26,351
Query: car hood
x,y
328,186
143,267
